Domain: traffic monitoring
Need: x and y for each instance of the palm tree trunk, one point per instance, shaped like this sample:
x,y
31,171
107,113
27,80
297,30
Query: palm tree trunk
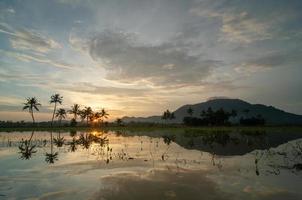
x,y
32,116
53,114
51,145
32,134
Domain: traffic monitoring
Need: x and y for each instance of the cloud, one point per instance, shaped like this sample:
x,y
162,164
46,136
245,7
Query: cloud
x,y
128,60
250,68
278,58
26,39
244,29
240,22
8,76
86,87
269,61
28,58
10,10
7,100
237,26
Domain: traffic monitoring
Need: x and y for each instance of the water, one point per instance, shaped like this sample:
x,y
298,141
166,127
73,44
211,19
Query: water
x,y
151,165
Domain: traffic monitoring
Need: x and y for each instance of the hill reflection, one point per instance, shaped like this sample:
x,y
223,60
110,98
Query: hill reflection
x,y
271,152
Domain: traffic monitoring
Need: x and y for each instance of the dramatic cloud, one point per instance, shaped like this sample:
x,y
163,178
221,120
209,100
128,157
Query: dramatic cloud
x,y
127,60
89,88
141,57
25,39
238,27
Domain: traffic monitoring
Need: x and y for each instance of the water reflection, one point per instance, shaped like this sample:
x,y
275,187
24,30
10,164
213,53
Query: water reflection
x,y
286,157
59,141
272,152
27,149
52,156
72,144
232,162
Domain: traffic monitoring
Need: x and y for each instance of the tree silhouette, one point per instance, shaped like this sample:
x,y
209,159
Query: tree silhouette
x,y
51,157
96,117
86,113
59,141
73,144
56,98
61,114
75,111
218,117
119,121
210,117
190,111
31,104
104,114
167,115
27,148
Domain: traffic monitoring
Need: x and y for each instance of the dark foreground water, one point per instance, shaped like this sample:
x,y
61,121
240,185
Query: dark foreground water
x,y
153,165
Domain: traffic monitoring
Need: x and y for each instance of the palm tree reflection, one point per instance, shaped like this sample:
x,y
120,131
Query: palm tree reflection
x,y
59,141
266,162
51,157
73,144
27,149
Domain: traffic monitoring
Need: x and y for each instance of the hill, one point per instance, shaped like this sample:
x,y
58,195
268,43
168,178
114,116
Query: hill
x,y
272,115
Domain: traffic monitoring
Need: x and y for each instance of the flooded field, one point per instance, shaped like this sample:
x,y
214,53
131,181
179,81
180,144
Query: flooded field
x,y
151,165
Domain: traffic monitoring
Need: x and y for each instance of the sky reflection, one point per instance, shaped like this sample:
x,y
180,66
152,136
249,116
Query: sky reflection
x,y
112,165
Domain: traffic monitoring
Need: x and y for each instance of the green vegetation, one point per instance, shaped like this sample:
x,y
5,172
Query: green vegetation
x,y
150,127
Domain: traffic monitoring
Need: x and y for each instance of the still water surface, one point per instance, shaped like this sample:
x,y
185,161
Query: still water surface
x,y
151,165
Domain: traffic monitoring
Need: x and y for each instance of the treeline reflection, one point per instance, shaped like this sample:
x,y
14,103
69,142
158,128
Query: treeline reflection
x,y
268,158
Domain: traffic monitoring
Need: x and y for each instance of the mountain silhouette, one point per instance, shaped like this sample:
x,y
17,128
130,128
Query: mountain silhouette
x,y
272,115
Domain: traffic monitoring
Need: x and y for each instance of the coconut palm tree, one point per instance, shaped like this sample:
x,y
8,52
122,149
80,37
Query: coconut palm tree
x,y
82,115
56,98
190,111
96,117
86,114
119,121
75,111
31,104
104,114
61,114
168,115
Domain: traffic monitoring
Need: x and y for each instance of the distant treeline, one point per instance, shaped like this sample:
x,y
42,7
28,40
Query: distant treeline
x,y
23,124
88,117
220,117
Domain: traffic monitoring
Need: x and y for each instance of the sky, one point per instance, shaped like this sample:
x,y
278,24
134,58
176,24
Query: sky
x,y
140,57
